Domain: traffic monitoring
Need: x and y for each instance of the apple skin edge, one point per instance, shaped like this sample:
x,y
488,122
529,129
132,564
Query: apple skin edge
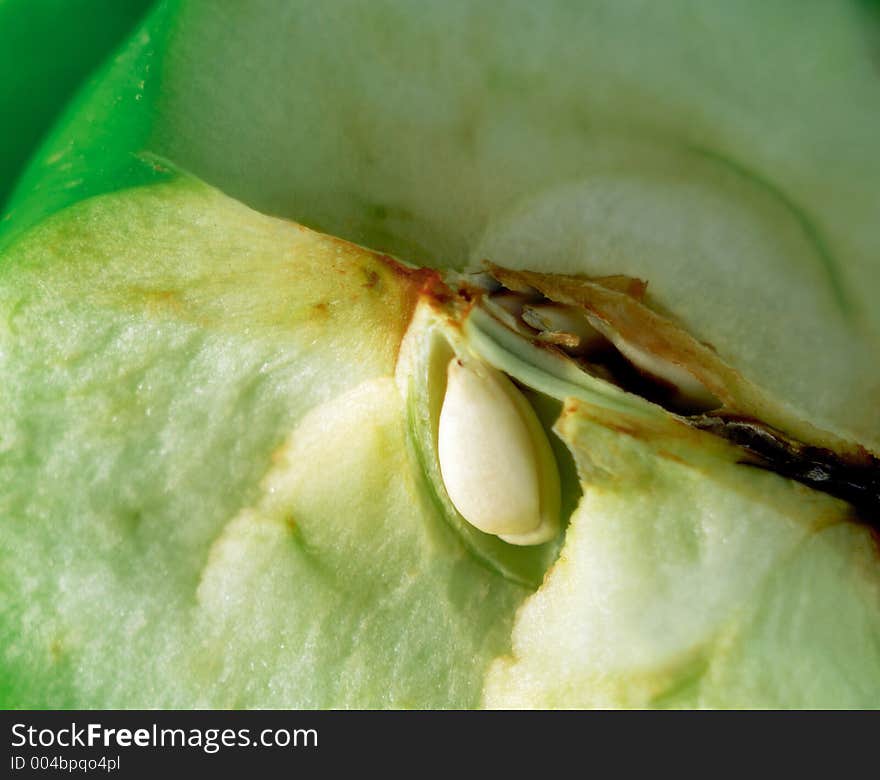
x,y
47,49
216,480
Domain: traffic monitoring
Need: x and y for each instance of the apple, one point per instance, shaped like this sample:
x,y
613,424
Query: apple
x,y
46,50
449,355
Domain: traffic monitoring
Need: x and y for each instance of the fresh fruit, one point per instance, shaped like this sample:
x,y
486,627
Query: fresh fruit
x,y
633,275
205,460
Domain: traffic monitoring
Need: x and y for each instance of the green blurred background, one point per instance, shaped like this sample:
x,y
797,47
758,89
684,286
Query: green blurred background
x,y
48,48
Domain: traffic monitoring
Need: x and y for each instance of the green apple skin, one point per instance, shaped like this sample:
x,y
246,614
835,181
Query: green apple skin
x,y
47,49
212,490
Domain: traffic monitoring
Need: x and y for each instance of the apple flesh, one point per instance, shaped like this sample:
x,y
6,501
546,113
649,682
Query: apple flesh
x,y
218,483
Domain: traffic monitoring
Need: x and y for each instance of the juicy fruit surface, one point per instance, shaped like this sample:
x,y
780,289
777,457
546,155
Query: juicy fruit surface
x,y
689,580
207,496
210,499
208,489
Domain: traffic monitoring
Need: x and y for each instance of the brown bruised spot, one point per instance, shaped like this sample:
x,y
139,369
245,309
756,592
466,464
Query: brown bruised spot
x,y
671,456
627,430
372,278
570,407
418,277
406,272
434,289
158,301
421,282
56,650
605,418
277,455
290,524
416,284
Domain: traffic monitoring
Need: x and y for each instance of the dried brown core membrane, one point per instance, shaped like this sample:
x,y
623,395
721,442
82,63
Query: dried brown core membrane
x,y
590,343
857,482
605,327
